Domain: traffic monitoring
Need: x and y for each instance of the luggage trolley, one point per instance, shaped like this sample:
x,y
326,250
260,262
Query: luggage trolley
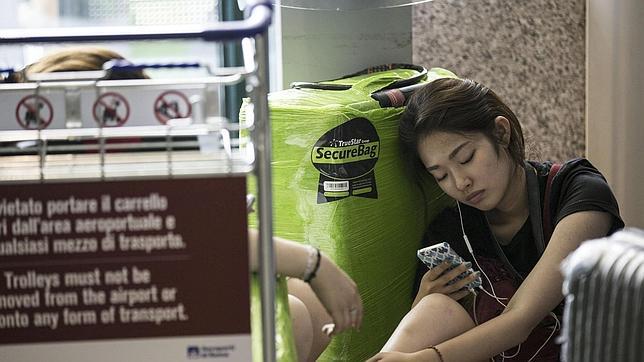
x,y
183,144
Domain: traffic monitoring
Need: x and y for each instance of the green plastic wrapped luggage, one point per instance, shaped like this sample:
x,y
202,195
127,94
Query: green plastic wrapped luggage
x,y
284,339
339,183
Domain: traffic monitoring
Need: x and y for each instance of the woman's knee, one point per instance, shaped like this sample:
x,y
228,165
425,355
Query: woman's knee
x,y
303,292
440,309
434,319
316,312
302,327
437,301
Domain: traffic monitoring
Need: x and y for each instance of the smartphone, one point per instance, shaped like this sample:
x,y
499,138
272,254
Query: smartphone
x,y
436,254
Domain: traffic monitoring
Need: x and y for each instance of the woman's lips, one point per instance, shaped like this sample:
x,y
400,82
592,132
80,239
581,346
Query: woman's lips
x,y
475,197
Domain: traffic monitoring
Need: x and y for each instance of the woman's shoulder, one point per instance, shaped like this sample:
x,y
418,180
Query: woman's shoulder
x,y
575,175
568,167
580,186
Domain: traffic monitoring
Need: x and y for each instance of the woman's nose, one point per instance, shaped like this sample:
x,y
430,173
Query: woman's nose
x,y
462,182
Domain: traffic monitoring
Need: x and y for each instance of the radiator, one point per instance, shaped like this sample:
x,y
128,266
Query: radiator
x,y
603,287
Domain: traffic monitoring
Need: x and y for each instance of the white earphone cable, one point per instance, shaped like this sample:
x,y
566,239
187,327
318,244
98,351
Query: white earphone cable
x,y
493,295
470,249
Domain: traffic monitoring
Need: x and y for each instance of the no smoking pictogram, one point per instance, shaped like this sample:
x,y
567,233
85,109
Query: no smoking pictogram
x,y
170,105
111,110
34,112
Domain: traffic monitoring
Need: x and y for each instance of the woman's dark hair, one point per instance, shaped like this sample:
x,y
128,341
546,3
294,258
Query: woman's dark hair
x,y
457,106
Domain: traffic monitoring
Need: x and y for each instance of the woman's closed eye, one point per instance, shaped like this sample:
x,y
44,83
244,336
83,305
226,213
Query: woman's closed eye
x,y
466,161
469,158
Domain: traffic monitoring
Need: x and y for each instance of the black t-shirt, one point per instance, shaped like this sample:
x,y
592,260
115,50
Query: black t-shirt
x,y
578,186
522,251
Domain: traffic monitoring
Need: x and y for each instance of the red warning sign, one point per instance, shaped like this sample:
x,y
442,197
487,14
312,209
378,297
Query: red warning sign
x,y
170,105
111,110
34,112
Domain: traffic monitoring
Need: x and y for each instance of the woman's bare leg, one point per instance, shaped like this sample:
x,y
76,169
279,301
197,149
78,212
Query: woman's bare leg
x,y
302,327
317,314
434,319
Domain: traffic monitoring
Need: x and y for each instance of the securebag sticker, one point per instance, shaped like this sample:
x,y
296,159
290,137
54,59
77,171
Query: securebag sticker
x,y
346,157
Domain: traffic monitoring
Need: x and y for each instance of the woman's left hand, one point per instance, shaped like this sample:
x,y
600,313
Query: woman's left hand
x,y
339,295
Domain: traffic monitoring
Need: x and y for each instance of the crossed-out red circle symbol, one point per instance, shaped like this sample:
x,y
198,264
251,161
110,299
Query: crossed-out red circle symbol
x,y
171,104
34,112
111,110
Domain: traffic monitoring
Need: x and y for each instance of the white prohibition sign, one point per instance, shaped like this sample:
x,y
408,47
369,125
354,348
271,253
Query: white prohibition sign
x,y
170,105
34,112
111,110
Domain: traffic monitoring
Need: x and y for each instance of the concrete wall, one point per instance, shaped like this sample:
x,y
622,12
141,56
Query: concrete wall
x,y
530,52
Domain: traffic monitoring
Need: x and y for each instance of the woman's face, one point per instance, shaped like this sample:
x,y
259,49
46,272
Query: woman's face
x,y
467,168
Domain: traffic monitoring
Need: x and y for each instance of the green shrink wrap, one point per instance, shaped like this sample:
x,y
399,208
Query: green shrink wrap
x,y
284,342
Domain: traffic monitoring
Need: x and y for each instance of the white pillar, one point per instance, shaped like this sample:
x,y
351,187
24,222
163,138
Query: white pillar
x,y
615,100
323,44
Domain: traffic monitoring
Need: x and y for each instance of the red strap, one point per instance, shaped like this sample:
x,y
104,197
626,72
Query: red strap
x,y
547,221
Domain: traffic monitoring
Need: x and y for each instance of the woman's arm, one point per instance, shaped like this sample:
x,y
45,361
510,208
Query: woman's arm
x,y
290,257
333,287
537,296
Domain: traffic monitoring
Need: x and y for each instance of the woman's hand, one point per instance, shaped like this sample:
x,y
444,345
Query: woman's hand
x,y
339,295
436,279
334,288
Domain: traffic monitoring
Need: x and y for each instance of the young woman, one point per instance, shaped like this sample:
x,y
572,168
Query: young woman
x,y
472,144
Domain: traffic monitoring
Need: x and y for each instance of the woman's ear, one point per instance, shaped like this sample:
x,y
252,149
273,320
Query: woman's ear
x,y
502,130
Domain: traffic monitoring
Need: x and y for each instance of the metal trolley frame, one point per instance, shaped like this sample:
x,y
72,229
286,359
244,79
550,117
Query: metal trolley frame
x,y
253,33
